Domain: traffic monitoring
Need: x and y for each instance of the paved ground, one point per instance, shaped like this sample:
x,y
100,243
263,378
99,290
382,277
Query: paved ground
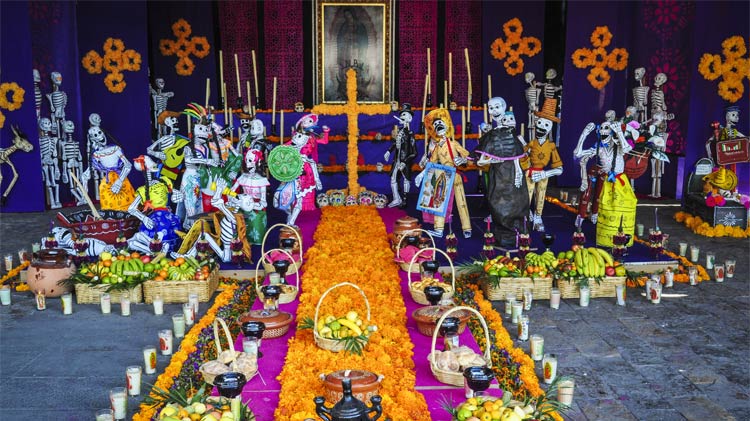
x,y
686,358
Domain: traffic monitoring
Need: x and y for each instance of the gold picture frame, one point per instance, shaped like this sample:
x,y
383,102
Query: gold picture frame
x,y
353,33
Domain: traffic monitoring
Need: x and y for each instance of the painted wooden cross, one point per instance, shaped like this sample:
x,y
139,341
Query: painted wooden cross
x,y
352,110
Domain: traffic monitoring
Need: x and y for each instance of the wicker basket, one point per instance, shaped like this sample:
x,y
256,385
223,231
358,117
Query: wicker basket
x,y
178,291
210,377
452,377
295,265
91,294
285,297
418,294
540,287
407,266
335,345
606,288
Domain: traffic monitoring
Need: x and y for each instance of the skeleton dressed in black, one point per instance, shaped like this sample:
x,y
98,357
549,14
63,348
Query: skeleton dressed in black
x,y
404,150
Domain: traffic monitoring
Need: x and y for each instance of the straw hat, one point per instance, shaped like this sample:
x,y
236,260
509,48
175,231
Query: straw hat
x,y
722,178
548,111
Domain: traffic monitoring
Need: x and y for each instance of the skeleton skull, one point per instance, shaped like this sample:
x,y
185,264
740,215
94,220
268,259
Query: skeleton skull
x,y
551,74
337,198
453,106
96,135
159,83
300,139
639,73
322,200
45,125
252,158
660,79
440,127
68,126
508,120
529,77
380,201
351,200
605,130
394,106
732,117
299,107
379,166
37,76
496,108
543,126
56,78
406,117
201,131
610,115
256,128
245,124
378,136
631,111
170,122
365,198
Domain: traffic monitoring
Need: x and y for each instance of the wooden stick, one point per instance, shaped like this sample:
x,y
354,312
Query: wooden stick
x,y
281,123
424,106
429,71
255,76
226,110
208,92
450,73
273,111
463,127
237,73
485,113
249,97
468,69
85,195
489,87
445,93
221,78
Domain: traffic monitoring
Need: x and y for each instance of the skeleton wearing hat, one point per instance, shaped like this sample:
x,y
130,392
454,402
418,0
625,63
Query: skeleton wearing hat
x,y
445,150
507,194
729,131
292,196
542,154
252,199
404,150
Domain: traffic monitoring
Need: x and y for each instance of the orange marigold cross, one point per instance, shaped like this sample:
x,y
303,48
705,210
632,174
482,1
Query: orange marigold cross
x,y
116,60
183,47
514,46
599,59
733,69
352,110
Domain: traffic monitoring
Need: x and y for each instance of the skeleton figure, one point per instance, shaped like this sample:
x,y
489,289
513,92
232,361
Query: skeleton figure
x,y
65,241
640,95
550,90
196,155
533,93
71,161
610,152
160,98
58,100
150,206
48,148
254,137
658,141
167,120
290,195
252,201
729,131
542,153
95,139
38,97
404,150
20,142
115,191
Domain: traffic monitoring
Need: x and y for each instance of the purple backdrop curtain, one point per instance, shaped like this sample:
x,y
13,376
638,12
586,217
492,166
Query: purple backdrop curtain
x,y
511,88
239,35
462,31
27,194
125,115
581,102
283,52
717,21
188,88
417,31
54,49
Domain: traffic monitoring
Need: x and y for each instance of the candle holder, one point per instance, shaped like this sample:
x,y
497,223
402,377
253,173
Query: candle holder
x,y
434,294
240,103
429,269
271,295
349,407
282,266
255,330
259,103
548,240
524,245
449,331
579,238
230,386
476,380
288,244
619,243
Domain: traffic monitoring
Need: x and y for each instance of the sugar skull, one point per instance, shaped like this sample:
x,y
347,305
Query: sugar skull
x,y
381,201
496,108
299,107
351,200
336,198
453,106
508,120
322,200
365,198
394,106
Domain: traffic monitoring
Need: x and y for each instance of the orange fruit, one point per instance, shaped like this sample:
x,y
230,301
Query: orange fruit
x,y
159,278
163,274
107,263
179,261
120,257
135,255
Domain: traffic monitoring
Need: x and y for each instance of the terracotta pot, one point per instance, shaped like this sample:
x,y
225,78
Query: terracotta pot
x,y
48,267
365,384
277,322
427,317
403,226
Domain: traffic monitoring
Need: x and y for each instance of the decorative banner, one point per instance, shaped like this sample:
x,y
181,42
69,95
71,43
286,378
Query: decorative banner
x,y
184,46
283,53
115,61
732,68
18,155
599,59
510,49
462,31
239,38
417,31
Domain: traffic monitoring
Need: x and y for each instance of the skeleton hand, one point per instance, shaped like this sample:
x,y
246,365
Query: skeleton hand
x,y
213,162
401,166
148,222
537,176
418,179
65,177
589,128
85,177
459,160
584,185
387,155
116,187
517,180
177,196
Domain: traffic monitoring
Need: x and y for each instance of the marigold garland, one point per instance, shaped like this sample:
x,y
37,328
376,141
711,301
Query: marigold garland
x,y
16,96
698,226
733,69
115,61
599,59
184,46
351,245
514,46
14,272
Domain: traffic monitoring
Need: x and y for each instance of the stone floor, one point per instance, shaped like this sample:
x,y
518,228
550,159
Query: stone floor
x,y
686,358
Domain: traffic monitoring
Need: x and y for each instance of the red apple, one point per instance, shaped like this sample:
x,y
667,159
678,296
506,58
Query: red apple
x,y
610,271
145,259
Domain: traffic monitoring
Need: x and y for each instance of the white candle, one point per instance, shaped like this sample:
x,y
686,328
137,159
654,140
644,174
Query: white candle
x,y
274,278
668,278
189,124
208,92
683,249
450,73
67,303
489,87
468,72
255,76
35,247
719,272
125,306
485,113
517,310
536,347
710,259
510,298
118,397
523,328
221,74
554,298
565,391
187,311
193,301
133,376
273,109
158,306
695,252
463,127
178,325
549,368
105,301
237,73
584,296
250,345
165,341
105,415
730,264
528,298
620,292
693,275
149,359
249,97
8,262
5,295
429,72
445,93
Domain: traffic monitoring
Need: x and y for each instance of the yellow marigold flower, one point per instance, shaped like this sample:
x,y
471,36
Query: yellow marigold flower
x,y
92,62
181,29
601,37
16,93
114,45
115,82
734,47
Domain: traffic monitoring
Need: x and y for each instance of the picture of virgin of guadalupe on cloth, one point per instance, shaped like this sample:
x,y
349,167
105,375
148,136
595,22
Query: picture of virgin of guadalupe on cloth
x,y
436,189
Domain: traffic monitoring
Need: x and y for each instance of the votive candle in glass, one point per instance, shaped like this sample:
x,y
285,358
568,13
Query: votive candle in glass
x,y
683,249
5,295
8,262
105,415
693,275
549,368
668,278
149,360
554,298
118,397
719,272
125,306
729,265
695,252
620,292
710,260
187,311
105,301
510,298
178,325
250,345
36,247
165,341
67,303
193,301
523,328
517,311
274,278
133,376
639,230
536,347
158,305
565,390
584,296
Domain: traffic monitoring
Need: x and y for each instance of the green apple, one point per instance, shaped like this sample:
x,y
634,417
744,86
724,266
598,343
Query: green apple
x,y
463,414
105,256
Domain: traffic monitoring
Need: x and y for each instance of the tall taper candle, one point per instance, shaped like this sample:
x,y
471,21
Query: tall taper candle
x,y
429,72
468,70
489,87
463,127
208,90
273,110
424,105
190,131
221,77
485,113
237,74
281,132
249,97
445,93
450,73
255,76
226,103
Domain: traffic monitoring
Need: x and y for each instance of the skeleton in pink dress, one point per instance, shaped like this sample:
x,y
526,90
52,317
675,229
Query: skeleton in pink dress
x,y
317,135
291,195
252,200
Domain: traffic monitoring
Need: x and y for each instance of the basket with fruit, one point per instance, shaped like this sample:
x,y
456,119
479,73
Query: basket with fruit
x,y
504,275
175,279
296,262
179,405
120,275
447,374
417,288
490,408
288,292
405,254
593,267
229,359
349,333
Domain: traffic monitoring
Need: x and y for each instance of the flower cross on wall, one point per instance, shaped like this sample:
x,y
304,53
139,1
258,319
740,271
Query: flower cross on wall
x,y
514,46
733,69
599,59
183,47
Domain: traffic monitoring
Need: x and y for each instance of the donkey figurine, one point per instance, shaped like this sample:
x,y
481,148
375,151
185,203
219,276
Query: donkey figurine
x,y
19,142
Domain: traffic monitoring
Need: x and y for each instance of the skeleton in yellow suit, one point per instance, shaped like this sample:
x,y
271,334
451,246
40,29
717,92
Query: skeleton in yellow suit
x,y
444,150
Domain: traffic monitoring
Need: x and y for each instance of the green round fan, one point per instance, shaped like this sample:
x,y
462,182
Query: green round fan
x,y
285,163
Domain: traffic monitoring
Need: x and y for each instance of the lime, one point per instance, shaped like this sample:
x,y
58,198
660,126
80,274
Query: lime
x,y
569,254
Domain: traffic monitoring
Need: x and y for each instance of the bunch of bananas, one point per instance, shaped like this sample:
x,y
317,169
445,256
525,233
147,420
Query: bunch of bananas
x,y
184,272
546,259
344,327
592,261
131,267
